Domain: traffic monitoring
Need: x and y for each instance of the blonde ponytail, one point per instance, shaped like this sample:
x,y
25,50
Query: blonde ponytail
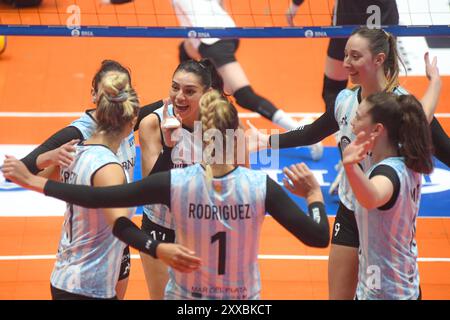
x,y
117,103
217,115
391,65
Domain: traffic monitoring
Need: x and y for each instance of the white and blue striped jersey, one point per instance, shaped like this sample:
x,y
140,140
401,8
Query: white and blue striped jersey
x,y
89,255
127,149
182,154
345,109
221,221
388,252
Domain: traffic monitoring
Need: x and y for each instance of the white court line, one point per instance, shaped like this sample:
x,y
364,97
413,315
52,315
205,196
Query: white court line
x,y
78,114
261,256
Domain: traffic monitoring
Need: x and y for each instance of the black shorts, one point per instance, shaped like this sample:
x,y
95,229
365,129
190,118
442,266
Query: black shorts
x,y
355,13
221,52
345,229
125,266
157,231
58,294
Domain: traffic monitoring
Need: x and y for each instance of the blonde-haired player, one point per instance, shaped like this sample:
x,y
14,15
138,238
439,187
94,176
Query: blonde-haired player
x,y
218,207
89,254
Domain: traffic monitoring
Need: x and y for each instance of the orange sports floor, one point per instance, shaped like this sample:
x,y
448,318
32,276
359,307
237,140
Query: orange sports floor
x,y
39,74
281,279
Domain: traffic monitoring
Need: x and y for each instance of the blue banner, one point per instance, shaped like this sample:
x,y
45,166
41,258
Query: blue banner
x,y
197,32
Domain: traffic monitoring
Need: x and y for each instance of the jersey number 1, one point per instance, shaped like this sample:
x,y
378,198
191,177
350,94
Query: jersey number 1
x,y
222,238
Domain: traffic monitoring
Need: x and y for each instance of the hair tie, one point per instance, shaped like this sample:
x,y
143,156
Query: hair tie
x,y
121,97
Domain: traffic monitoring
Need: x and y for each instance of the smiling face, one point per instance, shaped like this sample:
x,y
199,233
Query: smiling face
x,y
185,93
359,61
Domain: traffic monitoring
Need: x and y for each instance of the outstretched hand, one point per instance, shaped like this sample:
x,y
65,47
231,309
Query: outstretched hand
x,y
302,182
357,150
178,257
16,171
431,69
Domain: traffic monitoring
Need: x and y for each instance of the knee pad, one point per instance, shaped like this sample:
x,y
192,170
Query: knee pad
x,y
248,99
330,91
220,52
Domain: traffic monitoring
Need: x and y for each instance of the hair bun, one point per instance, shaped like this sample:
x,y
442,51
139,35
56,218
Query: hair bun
x,y
122,96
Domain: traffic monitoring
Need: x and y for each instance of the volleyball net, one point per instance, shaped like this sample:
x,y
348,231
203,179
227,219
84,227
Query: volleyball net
x,y
253,18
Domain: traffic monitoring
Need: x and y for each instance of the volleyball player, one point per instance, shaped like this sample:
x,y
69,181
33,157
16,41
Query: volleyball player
x,y
82,129
89,256
395,131
156,155
217,206
190,81
210,13
371,59
346,12
349,12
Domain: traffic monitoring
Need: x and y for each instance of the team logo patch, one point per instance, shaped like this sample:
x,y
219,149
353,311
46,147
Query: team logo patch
x,y
345,141
344,121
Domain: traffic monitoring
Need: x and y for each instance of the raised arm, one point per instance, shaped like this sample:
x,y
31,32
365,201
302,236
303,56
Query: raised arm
x,y
370,193
153,189
431,97
313,230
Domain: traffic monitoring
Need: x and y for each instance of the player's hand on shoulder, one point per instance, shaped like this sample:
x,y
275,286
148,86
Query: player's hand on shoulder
x,y
65,155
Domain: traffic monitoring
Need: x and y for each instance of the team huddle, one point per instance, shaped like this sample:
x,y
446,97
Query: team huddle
x,y
202,219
